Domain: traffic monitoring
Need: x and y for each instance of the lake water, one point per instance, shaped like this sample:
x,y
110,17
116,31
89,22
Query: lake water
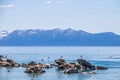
x,y
96,55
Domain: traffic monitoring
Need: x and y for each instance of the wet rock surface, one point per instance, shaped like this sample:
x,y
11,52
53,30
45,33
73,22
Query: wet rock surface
x,y
86,64
9,63
81,66
35,69
60,61
67,67
71,70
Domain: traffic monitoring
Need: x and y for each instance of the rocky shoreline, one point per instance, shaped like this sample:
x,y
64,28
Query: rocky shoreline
x,y
81,66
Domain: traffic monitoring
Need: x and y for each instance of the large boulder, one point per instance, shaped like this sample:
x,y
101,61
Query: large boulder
x,y
35,69
9,63
60,61
86,64
6,64
12,63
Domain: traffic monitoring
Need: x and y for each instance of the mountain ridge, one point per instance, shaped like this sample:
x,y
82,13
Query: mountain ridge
x,y
59,37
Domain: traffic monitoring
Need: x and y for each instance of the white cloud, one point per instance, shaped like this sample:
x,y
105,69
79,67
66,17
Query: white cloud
x,y
54,1
6,6
48,2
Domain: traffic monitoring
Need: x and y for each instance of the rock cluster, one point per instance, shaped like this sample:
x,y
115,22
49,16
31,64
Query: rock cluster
x,y
9,63
72,68
35,69
67,67
32,63
81,66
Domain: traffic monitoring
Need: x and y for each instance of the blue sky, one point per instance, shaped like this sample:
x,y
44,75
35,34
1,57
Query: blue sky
x,y
89,15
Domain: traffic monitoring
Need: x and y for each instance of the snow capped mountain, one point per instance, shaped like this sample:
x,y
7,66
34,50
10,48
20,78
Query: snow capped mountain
x,y
58,37
3,34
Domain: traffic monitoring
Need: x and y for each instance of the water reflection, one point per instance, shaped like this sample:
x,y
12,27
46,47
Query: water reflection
x,y
9,69
34,76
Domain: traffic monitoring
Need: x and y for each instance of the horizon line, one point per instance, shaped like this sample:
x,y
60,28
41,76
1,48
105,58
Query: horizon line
x,y
60,29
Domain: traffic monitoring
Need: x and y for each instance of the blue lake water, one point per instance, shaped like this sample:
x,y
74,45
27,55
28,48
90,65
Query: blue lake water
x,y
96,55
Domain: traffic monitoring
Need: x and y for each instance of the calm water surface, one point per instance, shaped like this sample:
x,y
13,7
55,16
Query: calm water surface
x,y
96,55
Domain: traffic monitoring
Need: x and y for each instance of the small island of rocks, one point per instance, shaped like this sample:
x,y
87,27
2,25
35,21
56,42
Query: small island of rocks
x,y
80,66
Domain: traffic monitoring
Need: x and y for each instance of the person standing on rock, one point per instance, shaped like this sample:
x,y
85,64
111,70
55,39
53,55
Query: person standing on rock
x,y
61,57
81,56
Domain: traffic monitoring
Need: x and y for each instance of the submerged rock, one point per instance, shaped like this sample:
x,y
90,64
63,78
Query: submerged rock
x,y
101,68
92,72
25,65
53,65
84,72
71,70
